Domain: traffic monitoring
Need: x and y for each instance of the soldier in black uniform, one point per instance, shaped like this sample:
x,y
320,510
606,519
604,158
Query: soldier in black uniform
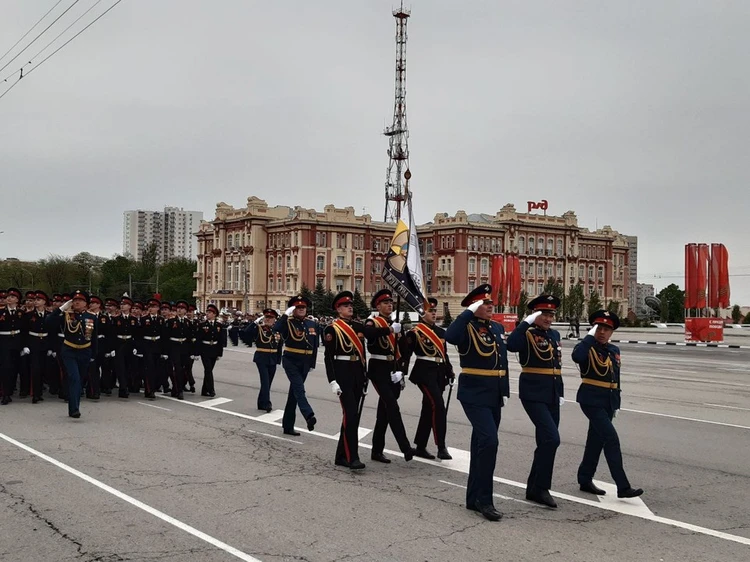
x,y
56,381
211,338
432,372
540,388
599,398
194,353
151,346
345,368
165,365
11,343
388,381
36,334
483,391
124,328
25,364
107,344
178,332
233,330
267,352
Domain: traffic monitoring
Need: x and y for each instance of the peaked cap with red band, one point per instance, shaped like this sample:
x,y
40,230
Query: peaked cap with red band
x,y
181,304
605,318
481,293
13,291
344,297
126,300
381,296
154,302
270,313
42,295
544,302
94,298
299,300
213,308
111,302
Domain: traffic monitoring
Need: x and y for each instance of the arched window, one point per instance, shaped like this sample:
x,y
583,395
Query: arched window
x,y
358,265
472,265
230,241
540,244
270,264
320,263
485,266
550,244
531,244
522,245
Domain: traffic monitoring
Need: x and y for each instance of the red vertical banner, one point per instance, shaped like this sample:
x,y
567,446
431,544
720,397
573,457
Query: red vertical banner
x,y
723,276
515,290
497,280
508,286
701,287
691,262
713,276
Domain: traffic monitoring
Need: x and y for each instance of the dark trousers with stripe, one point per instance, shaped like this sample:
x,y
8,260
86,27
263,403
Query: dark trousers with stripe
x,y
76,363
432,417
296,371
389,412
485,421
37,368
266,371
602,436
351,393
546,419
10,364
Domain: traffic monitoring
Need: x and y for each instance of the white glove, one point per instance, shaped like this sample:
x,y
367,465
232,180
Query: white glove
x,y
562,400
25,351
49,353
474,306
259,320
396,327
592,331
54,354
335,388
65,307
290,310
195,357
373,314
165,356
396,376
135,351
112,353
614,414
91,360
532,317
505,400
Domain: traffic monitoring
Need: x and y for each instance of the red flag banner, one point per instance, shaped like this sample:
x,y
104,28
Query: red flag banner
x,y
723,277
691,271
498,281
713,276
701,287
514,280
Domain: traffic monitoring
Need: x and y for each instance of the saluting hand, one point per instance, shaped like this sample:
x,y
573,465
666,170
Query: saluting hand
x,y
289,311
531,318
474,306
592,331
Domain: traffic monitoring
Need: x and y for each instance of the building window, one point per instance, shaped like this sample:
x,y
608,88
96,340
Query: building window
x,y
580,272
472,285
484,265
601,273
550,242
591,272
539,269
540,244
376,244
559,270
358,285
278,264
429,246
288,261
339,285
539,288
270,265
481,244
377,267
230,241
472,266
559,247
320,263
531,244
340,262
522,245
531,268
358,265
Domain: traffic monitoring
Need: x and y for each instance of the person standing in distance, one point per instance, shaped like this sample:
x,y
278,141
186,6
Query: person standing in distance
x,y
599,398
345,368
540,388
483,390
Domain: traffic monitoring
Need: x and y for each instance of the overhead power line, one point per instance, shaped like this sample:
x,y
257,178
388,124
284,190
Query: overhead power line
x,y
30,30
45,59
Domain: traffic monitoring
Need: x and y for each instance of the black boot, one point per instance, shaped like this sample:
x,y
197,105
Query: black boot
x,y
629,493
380,457
540,496
592,488
423,453
489,511
444,455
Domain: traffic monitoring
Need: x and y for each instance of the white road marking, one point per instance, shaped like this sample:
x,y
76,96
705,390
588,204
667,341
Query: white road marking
x,y
728,407
687,419
460,463
362,431
274,436
132,501
216,401
508,498
276,415
154,406
633,506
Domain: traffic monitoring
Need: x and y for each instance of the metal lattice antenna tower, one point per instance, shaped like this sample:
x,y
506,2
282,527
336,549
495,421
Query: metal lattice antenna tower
x,y
398,133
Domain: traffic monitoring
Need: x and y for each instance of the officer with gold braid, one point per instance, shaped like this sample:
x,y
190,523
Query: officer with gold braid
x,y
540,388
267,352
599,398
483,390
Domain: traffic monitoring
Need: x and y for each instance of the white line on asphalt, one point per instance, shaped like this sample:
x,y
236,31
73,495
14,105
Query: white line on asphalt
x,y
274,436
276,415
728,407
216,401
154,406
495,495
132,501
460,463
634,506
687,419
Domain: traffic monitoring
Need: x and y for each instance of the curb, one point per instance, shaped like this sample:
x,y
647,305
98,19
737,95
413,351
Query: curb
x,y
678,343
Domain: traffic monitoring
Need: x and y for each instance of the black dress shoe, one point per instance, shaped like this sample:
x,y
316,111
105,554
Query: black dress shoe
x,y
122,395
311,421
269,409
489,511
472,507
356,465
23,395
423,453
150,395
5,401
205,394
34,400
180,396
75,414
444,455
211,394
408,455
541,496
629,493
98,397
341,462
380,457
592,488
291,432
192,389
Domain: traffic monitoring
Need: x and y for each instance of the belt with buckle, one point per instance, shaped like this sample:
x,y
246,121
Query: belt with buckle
x,y
433,359
382,357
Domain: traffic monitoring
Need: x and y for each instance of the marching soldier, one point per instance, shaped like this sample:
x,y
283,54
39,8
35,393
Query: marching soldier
x,y
151,346
388,381
345,368
36,342
599,398
267,352
300,354
107,344
57,381
432,372
194,353
211,338
93,387
25,364
483,390
165,365
79,344
124,327
178,333
540,388
11,343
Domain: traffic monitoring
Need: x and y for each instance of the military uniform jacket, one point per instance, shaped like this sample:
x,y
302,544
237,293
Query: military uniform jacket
x,y
177,335
427,344
211,338
484,359
300,338
345,355
539,354
122,332
381,343
150,335
105,327
11,329
36,337
267,342
600,373
79,329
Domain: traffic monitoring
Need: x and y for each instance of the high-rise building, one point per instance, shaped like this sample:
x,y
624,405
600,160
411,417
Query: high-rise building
x,y
642,291
172,231
632,272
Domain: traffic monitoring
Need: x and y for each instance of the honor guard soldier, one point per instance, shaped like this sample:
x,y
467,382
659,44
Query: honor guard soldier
x,y
11,343
540,388
599,398
165,366
56,381
178,339
432,372
124,327
211,340
107,344
151,346
267,352
138,374
36,334
345,368
385,375
93,384
25,366
301,339
483,390
79,344
194,354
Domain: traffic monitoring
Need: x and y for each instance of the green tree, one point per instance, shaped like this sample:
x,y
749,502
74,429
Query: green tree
x,y
361,310
328,303
672,303
575,302
554,288
747,319
115,275
305,291
523,302
594,303
614,307
736,314
175,280
406,319
59,274
447,319
318,298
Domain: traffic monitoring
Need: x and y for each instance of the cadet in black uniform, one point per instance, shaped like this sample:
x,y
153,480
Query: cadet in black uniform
x,y
36,342
540,388
345,369
432,372
124,328
178,333
107,343
211,340
483,390
300,354
267,352
11,343
599,398
151,346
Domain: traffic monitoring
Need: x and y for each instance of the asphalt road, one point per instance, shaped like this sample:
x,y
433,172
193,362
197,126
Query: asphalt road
x,y
216,480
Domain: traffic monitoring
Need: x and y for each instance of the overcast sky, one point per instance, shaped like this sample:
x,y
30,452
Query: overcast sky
x,y
631,113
